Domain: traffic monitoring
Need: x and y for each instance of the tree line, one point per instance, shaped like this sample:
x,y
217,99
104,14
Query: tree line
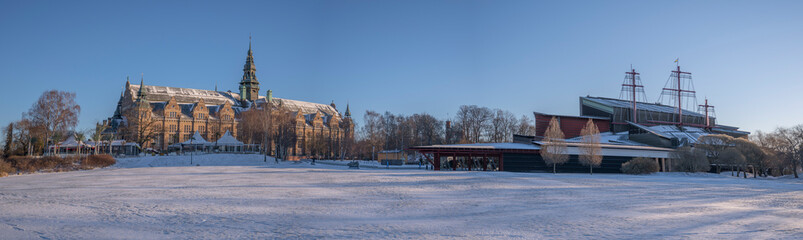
x,y
50,119
471,124
54,116
763,154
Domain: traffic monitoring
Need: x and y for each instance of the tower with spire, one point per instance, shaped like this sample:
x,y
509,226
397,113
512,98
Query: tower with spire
x,y
249,86
141,101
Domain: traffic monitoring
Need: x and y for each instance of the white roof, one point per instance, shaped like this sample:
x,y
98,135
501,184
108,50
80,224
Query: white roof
x,y
228,140
515,146
70,142
183,95
196,139
621,150
621,138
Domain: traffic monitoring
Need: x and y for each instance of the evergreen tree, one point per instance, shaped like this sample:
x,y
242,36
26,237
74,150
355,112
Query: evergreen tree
x,y
9,140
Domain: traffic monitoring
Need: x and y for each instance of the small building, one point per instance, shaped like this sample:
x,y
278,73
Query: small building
x,y
393,157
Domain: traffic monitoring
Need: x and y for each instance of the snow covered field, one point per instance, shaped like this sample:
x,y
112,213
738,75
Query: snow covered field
x,y
240,196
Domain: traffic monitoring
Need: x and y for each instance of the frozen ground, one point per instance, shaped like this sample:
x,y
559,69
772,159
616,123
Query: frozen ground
x,y
240,196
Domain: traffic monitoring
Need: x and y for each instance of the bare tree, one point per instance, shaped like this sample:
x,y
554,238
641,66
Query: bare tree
x,y
373,131
714,144
428,130
734,157
553,148
503,125
9,140
140,126
97,134
785,146
687,159
474,121
773,160
590,150
25,137
754,156
526,126
55,111
791,145
285,136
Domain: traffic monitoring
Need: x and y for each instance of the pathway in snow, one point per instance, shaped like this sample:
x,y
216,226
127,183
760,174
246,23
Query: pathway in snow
x,y
240,196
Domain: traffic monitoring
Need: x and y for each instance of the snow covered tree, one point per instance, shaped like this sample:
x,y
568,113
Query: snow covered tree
x,y
590,151
553,148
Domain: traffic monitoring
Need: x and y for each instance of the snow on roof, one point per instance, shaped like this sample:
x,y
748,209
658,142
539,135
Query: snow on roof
x,y
621,138
570,116
655,107
196,139
620,150
304,107
691,134
684,134
510,146
729,130
228,140
70,142
648,129
183,95
391,151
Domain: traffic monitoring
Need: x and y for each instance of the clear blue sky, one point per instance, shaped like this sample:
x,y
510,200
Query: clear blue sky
x,y
410,56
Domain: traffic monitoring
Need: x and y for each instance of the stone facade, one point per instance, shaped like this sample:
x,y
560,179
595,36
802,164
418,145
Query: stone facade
x,y
175,114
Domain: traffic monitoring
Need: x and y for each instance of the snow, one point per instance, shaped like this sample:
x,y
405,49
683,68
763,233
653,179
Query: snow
x,y
197,139
517,146
228,140
240,196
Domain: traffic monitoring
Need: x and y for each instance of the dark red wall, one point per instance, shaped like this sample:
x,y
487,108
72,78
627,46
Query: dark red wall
x,y
571,126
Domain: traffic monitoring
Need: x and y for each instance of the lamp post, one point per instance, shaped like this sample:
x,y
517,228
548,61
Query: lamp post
x,y
193,137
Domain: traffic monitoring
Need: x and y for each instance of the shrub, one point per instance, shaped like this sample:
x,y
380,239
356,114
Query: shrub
x,y
43,163
21,163
67,163
687,159
96,161
6,167
640,166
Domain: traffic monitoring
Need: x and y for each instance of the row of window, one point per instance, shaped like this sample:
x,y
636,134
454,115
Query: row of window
x,y
199,115
187,128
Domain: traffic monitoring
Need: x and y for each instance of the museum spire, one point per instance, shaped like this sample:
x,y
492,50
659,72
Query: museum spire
x,y
249,85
